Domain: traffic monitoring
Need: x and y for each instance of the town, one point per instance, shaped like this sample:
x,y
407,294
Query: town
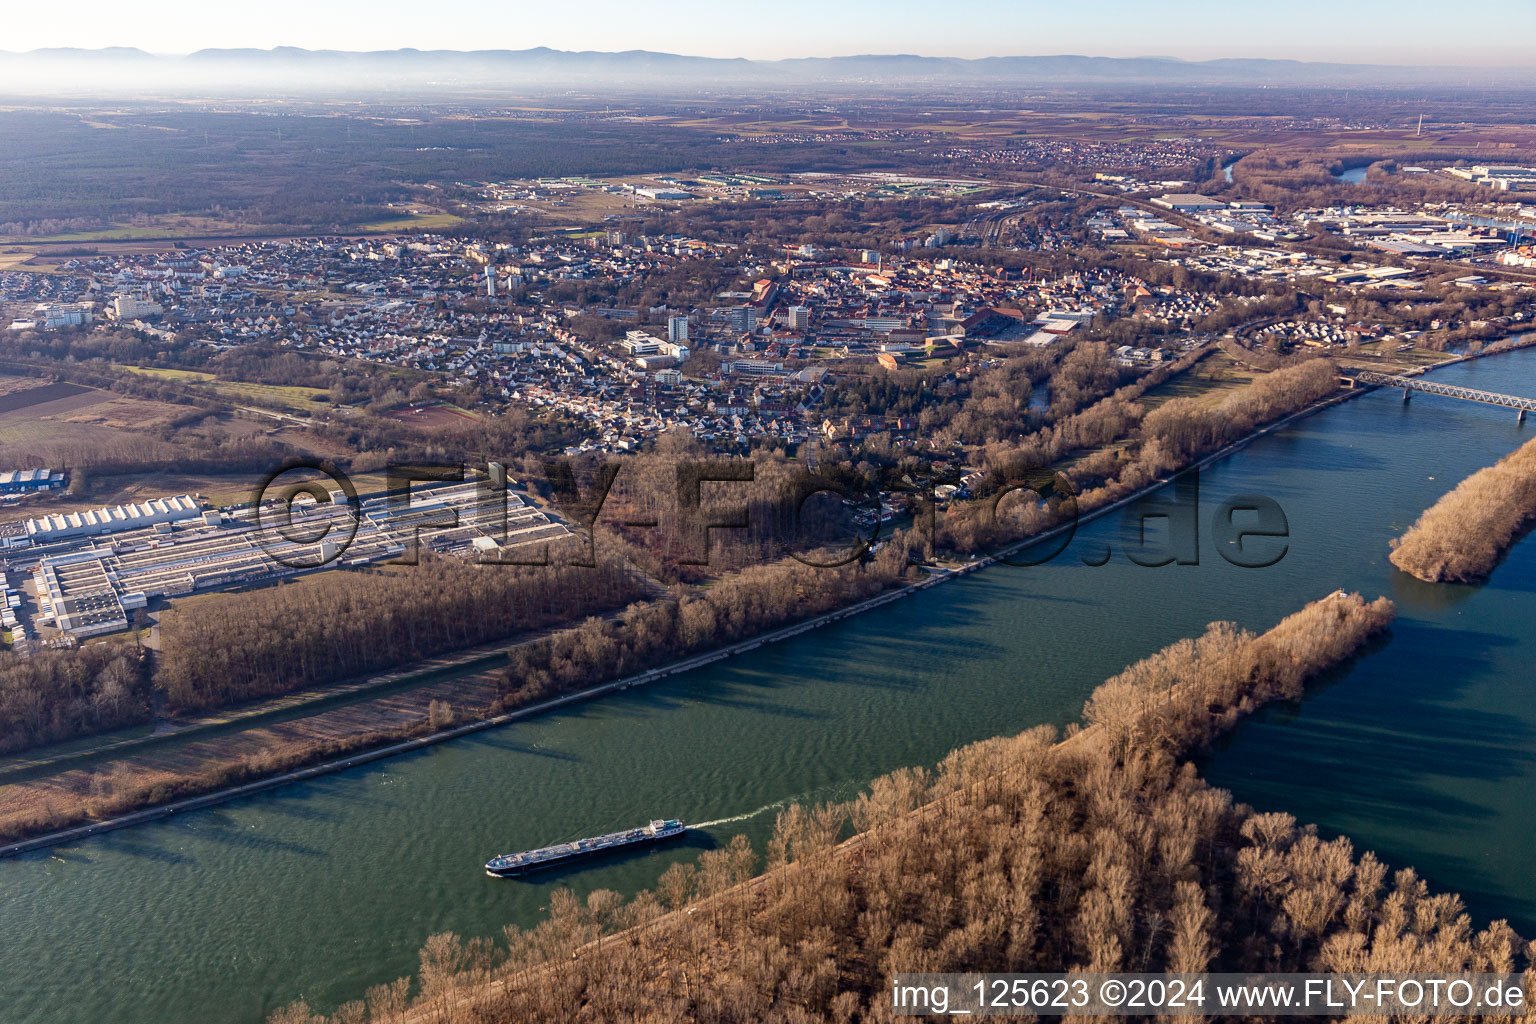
x,y
754,360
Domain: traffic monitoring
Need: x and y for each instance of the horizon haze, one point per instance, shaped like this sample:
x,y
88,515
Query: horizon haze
x,y
1371,31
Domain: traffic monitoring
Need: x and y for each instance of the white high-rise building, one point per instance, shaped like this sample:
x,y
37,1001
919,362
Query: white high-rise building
x,y
126,307
677,328
799,317
490,282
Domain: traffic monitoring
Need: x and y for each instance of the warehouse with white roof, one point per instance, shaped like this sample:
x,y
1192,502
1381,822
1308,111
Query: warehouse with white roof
x,y
133,516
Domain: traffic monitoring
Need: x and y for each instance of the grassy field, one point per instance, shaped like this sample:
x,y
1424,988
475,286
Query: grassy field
x,y
422,221
296,397
1208,380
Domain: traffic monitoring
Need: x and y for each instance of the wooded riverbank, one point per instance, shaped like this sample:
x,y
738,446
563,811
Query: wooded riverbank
x,y
1103,851
1462,536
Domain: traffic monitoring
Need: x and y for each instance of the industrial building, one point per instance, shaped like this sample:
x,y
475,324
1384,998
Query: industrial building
x,y
1185,202
659,192
133,516
1503,177
30,481
93,586
75,595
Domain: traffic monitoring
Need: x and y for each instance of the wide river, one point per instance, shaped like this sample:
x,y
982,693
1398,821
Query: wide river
x,y
1423,749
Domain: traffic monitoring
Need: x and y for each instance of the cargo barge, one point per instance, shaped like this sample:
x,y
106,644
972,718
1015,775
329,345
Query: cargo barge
x,y
512,864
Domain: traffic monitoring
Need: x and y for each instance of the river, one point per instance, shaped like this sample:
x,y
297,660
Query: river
x,y
1424,750
1518,231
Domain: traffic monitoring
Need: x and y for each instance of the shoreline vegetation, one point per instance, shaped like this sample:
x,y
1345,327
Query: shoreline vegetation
x,y
1462,537
1170,443
1099,850
61,820
584,660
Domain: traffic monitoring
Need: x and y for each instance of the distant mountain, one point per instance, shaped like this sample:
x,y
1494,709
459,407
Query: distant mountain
x,y
292,70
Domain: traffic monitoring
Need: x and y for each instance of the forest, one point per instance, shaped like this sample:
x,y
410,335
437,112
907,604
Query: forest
x,y
1168,437
58,695
1101,850
1461,537
336,625
267,172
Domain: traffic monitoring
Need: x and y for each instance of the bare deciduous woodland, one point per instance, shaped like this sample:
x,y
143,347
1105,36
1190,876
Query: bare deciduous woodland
x,y
646,635
340,624
1462,536
1168,437
57,695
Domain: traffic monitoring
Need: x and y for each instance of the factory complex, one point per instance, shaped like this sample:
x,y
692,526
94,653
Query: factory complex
x,y
92,571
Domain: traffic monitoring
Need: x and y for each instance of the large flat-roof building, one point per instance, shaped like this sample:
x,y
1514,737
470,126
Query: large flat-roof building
x,y
50,528
1504,177
88,586
1185,202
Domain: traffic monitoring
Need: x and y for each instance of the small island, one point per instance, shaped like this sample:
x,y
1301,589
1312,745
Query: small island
x,y
1463,535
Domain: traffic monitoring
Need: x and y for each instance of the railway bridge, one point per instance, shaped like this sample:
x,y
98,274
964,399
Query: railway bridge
x,y
1373,378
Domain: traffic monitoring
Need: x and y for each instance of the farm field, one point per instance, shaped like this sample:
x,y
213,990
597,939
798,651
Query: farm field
x,y
23,392
434,417
85,418
297,397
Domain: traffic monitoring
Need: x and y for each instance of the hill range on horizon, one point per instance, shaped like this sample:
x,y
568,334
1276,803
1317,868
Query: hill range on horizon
x,y
64,69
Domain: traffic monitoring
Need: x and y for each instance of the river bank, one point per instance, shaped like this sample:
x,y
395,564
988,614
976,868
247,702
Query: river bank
x,y
1215,678
213,786
1425,751
298,762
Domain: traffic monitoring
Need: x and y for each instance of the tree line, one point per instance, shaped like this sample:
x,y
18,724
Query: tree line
x,y
334,625
1461,537
1187,427
1165,438
738,606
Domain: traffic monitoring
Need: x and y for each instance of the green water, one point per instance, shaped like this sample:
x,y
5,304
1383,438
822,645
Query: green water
x,y
1425,750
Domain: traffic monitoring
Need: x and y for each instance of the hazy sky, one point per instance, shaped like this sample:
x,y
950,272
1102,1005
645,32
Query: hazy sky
x,y
1369,31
